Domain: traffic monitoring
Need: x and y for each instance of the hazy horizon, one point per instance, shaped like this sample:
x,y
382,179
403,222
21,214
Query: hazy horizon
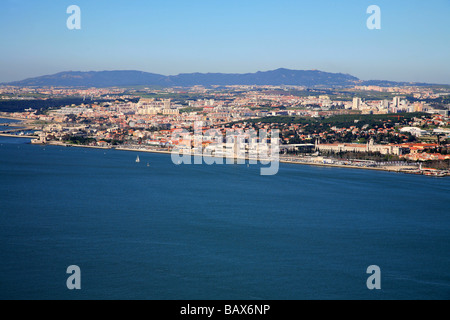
x,y
175,36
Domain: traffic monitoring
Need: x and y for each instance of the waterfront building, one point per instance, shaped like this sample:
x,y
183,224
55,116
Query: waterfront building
x,y
361,148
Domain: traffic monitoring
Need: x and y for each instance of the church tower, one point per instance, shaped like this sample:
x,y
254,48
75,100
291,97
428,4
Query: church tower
x,y
370,145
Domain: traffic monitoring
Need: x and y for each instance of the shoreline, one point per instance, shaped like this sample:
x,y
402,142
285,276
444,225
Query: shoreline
x,y
12,118
17,136
345,166
385,169
406,169
23,124
66,145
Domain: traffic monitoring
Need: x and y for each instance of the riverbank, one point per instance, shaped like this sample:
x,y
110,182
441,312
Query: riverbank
x,y
404,169
68,145
399,169
17,136
2,116
396,169
390,169
18,125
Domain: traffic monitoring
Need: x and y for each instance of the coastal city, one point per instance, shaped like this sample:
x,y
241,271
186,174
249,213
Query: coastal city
x,y
400,129
202,154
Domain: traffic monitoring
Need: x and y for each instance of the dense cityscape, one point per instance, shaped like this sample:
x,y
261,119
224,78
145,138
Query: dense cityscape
x,y
403,128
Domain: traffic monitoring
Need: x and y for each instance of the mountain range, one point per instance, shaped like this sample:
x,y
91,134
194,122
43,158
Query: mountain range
x,y
103,79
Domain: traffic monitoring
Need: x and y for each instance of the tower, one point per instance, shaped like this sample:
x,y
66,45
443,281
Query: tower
x,y
356,103
370,145
167,104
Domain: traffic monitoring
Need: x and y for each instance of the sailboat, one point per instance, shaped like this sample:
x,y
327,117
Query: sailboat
x,y
138,160
148,164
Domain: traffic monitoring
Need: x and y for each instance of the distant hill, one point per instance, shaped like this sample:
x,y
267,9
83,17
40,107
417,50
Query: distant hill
x,y
385,83
103,79
93,79
311,78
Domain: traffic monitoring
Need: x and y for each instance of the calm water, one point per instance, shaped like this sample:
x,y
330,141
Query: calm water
x,y
3,121
214,232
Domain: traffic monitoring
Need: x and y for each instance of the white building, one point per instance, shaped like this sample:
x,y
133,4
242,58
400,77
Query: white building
x,y
357,103
414,131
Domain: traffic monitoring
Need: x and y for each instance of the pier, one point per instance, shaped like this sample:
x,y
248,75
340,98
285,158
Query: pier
x,y
17,136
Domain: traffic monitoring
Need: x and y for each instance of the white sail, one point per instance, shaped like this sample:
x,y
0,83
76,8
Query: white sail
x,y
137,159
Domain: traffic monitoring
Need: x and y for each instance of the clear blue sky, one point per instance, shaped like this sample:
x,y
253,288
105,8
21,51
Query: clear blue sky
x,y
178,36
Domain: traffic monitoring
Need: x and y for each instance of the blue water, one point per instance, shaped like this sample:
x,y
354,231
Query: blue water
x,y
214,232
3,121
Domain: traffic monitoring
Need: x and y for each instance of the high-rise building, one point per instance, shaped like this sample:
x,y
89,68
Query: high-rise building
x,y
418,107
356,103
397,101
167,104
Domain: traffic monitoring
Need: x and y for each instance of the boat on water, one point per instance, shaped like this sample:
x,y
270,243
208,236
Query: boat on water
x,y
436,174
138,160
148,164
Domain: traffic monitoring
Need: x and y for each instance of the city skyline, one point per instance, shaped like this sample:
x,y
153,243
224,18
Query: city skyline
x,y
233,37
207,150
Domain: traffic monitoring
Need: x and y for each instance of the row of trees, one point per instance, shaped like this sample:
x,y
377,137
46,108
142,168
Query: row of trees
x,y
349,137
438,164
374,156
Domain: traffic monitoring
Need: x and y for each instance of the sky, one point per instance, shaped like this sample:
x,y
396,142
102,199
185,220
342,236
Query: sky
x,y
230,36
